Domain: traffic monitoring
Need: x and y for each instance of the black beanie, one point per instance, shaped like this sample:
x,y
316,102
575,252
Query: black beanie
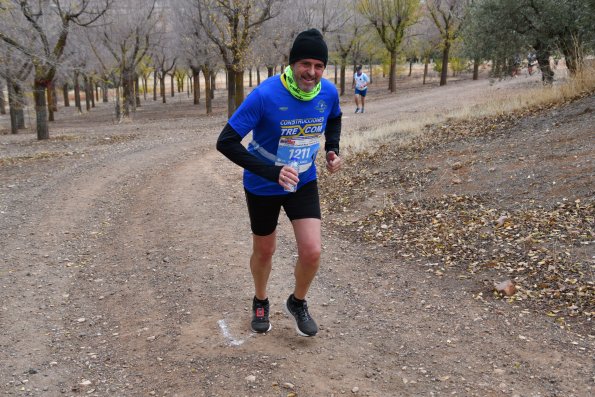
x,y
309,44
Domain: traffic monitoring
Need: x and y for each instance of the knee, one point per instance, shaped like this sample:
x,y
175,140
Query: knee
x,y
310,255
264,254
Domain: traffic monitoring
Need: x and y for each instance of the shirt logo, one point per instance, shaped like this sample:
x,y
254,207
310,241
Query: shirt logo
x,y
321,106
283,108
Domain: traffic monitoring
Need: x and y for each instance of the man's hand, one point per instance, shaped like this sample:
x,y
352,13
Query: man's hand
x,y
288,177
333,162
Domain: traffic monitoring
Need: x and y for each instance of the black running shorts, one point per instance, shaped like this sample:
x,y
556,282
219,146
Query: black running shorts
x,y
264,210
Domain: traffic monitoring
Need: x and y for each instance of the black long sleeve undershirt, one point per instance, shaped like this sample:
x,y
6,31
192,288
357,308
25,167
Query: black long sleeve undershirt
x,y
230,144
332,135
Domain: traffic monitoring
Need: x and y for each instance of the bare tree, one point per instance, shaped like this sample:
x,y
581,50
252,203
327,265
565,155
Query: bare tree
x,y
390,19
232,25
163,66
128,32
275,40
200,53
16,70
50,21
448,16
425,38
101,59
347,38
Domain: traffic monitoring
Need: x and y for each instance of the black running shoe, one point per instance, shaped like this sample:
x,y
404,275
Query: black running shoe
x,y
304,324
260,316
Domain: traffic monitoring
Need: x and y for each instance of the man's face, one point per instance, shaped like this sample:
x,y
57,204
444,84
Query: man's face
x,y
307,73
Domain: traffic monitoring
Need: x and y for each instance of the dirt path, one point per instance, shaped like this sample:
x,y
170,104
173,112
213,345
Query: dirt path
x,y
124,273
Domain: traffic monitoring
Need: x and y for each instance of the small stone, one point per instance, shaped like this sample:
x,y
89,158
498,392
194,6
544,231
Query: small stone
x,y
289,386
85,382
355,390
507,288
81,320
499,371
250,378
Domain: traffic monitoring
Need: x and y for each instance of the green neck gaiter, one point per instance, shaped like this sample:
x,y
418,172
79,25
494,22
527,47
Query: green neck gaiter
x,y
289,83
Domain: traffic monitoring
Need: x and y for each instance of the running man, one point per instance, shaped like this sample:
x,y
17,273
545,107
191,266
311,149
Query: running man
x,y
287,115
361,88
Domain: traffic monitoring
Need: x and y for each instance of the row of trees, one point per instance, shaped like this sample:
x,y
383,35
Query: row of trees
x,y
108,43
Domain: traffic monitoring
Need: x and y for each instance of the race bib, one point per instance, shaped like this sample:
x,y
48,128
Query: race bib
x,y
302,148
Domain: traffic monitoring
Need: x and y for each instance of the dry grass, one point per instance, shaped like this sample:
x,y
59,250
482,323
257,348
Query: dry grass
x,y
408,130
32,157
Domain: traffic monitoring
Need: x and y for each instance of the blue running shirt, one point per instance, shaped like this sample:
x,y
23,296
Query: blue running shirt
x,y
283,128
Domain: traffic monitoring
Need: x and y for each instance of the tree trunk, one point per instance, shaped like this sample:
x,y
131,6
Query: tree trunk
x,y
77,93
117,106
572,54
50,101
410,67
444,72
41,109
145,88
92,91
19,96
16,104
476,69
172,85
196,89
269,71
128,100
239,91
88,93
231,87
213,85
65,95
2,100
392,77
343,79
137,89
155,85
105,90
54,97
257,75
543,57
96,92
162,88
12,109
426,69
250,77
208,76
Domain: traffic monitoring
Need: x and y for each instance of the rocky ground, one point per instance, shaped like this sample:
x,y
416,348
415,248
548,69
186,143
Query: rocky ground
x,y
124,254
